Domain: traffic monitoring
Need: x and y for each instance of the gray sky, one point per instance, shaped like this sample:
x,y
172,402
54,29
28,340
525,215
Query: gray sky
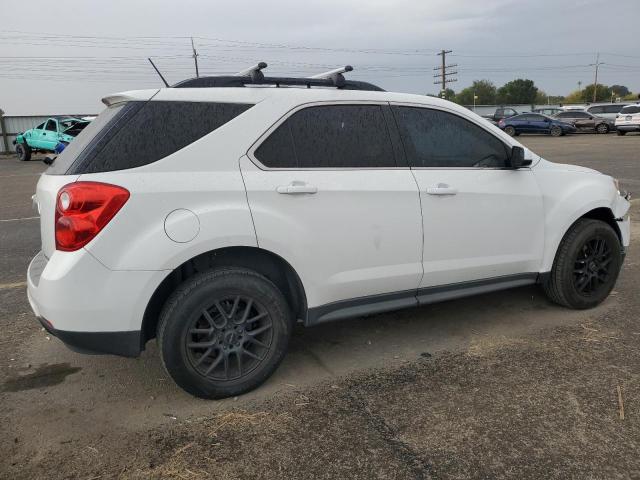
x,y
69,54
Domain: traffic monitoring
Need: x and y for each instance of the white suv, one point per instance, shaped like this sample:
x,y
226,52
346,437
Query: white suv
x,y
628,120
215,217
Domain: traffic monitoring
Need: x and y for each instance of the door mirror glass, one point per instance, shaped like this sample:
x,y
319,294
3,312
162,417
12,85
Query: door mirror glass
x,y
516,159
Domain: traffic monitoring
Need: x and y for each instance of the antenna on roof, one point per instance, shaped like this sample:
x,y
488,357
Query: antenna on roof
x,y
158,72
335,75
253,72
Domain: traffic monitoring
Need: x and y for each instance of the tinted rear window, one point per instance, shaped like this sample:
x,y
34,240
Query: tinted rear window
x,y
630,109
139,133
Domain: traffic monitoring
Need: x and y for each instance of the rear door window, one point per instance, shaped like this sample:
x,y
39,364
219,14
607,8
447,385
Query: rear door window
x,y
612,108
51,126
330,136
139,133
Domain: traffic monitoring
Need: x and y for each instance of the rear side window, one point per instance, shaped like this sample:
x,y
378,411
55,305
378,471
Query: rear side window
x,y
581,115
434,138
596,110
331,136
612,108
51,126
139,133
630,109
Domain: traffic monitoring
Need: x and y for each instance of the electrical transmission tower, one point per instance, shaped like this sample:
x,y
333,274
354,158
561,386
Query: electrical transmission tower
x,y
445,73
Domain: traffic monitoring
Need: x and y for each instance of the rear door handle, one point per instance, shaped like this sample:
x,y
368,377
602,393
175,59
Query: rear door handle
x,y
442,189
295,188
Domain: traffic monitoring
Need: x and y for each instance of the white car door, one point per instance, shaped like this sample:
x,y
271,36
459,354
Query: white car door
x,y
327,194
483,223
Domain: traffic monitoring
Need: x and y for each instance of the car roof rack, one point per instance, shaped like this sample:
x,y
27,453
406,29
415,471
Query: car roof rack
x,y
255,76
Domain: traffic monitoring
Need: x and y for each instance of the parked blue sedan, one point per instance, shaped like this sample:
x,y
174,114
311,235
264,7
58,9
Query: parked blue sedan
x,y
535,123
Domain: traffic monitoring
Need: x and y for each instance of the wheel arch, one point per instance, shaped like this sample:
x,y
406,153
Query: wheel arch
x,y
603,213
262,261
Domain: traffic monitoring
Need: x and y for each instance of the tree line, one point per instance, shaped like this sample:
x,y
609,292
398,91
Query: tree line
x,y
523,91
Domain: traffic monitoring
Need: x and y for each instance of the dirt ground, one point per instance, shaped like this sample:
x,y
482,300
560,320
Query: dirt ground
x,y
505,385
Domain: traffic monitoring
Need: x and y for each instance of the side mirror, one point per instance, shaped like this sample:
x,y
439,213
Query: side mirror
x,y
516,159
49,160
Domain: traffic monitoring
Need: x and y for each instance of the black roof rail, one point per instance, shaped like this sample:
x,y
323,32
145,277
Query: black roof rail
x,y
254,76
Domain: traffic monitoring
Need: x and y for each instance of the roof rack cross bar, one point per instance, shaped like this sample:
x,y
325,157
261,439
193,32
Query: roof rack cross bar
x,y
335,75
253,72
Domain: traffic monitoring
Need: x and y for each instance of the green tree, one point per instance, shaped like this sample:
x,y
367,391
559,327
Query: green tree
x,y
449,94
542,98
620,90
574,97
484,90
603,93
520,90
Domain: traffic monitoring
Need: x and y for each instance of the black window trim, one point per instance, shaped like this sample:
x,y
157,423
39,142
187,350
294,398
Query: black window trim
x,y
508,146
394,134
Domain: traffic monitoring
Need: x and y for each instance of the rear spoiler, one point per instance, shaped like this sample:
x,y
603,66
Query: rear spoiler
x,y
139,95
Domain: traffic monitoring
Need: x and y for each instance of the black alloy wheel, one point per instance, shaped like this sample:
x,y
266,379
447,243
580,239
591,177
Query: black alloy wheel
x,y
592,267
230,338
223,332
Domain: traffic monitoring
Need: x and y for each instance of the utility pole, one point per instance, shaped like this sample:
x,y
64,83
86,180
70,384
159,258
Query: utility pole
x,y
595,82
444,73
195,57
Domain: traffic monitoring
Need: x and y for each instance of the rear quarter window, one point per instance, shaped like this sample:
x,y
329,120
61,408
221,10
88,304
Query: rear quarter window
x,y
630,109
139,133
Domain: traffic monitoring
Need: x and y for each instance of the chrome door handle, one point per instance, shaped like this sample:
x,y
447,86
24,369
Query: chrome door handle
x,y
442,189
295,188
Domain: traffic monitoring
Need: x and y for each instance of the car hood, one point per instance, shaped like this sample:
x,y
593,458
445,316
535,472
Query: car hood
x,y
565,167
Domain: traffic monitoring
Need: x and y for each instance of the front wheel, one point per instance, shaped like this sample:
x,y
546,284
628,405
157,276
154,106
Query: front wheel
x,y
586,266
621,132
556,131
23,152
224,332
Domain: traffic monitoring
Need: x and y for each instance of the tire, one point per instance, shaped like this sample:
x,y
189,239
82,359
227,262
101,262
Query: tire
x,y
586,266
556,131
509,130
621,132
602,128
224,332
23,152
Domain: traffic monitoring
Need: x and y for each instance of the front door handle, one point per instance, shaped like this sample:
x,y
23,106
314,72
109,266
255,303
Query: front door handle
x,y
295,188
442,189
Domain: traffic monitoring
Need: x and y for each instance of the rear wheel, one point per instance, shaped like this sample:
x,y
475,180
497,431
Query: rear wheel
x,y
24,152
556,131
586,266
509,130
621,132
224,332
602,128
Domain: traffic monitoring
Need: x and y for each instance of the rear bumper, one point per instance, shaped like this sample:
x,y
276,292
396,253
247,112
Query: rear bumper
x,y
88,306
628,128
124,344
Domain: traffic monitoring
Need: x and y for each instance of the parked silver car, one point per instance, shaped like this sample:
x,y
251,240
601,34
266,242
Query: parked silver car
x,y
586,122
606,110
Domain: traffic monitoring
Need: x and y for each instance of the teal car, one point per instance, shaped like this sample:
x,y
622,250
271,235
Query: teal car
x,y
50,136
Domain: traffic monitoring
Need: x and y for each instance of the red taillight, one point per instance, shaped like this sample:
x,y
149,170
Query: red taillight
x,y
83,209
